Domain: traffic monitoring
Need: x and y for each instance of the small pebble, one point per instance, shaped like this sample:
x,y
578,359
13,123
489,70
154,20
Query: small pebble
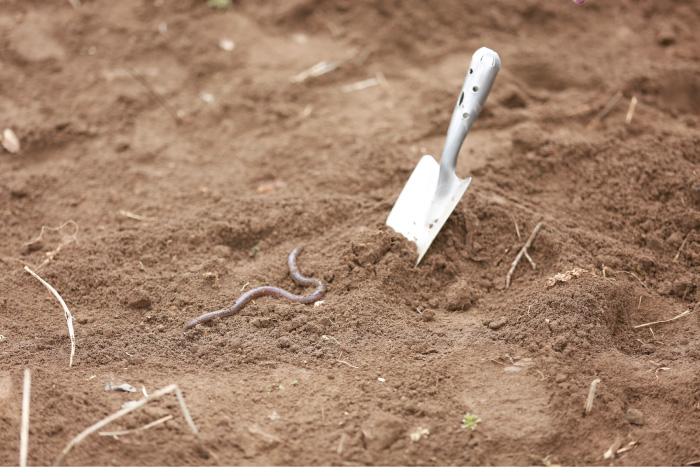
x,y
227,44
207,97
635,417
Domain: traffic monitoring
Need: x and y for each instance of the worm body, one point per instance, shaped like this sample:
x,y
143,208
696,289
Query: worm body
x,y
267,290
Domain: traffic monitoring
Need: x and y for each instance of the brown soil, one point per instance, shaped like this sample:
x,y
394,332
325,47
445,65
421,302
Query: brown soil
x,y
274,164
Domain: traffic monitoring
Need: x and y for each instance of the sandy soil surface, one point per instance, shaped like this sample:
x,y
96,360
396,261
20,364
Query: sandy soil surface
x,y
182,172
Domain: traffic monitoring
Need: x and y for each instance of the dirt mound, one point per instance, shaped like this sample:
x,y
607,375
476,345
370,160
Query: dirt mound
x,y
590,314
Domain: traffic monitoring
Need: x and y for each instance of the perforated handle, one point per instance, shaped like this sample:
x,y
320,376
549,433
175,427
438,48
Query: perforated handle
x,y
482,73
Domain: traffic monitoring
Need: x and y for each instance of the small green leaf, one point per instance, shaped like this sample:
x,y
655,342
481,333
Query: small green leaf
x,y
219,4
254,251
295,383
470,421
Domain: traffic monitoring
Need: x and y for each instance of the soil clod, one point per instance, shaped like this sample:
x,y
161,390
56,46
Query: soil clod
x,y
635,417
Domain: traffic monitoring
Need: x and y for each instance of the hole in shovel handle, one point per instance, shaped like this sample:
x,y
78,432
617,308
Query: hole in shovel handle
x,y
461,98
475,88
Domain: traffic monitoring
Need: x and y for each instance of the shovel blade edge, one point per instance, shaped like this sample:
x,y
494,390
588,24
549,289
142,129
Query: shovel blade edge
x,y
418,214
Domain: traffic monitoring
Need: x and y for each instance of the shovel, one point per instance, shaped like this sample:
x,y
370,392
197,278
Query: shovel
x,y
433,190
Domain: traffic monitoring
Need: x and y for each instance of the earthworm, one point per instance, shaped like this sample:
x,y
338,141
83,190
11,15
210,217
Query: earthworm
x,y
267,290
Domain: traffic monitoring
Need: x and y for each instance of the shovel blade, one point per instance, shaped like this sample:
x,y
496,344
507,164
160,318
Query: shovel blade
x,y
420,213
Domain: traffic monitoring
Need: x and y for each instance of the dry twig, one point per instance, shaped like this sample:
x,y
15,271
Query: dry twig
x,y
604,112
605,268
523,252
141,402
24,427
591,396
685,313
505,252
69,317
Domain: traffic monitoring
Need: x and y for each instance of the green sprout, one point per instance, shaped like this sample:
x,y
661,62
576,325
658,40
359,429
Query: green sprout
x,y
219,4
295,383
254,251
470,421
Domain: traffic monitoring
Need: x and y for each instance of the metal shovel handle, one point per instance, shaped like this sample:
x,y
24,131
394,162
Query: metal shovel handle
x,y
477,85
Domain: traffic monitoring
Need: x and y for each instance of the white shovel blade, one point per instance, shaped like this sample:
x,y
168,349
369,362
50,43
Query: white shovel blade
x,y
418,215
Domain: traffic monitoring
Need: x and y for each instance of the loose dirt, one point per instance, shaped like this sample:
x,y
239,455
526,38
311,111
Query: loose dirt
x,y
193,171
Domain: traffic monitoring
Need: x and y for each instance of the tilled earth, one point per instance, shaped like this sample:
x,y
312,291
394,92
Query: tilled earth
x,y
181,173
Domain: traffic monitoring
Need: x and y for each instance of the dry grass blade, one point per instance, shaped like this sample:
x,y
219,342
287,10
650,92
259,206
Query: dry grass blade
x,y
358,86
69,317
136,217
604,112
382,80
66,240
630,110
143,428
160,99
629,446
591,396
517,230
685,313
140,403
321,68
255,430
24,427
678,254
612,450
